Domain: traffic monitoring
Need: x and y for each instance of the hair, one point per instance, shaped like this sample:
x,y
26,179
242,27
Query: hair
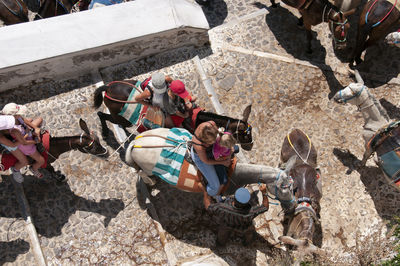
x,y
208,134
227,140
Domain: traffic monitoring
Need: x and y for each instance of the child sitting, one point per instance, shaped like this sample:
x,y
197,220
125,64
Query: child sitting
x,y
23,135
223,146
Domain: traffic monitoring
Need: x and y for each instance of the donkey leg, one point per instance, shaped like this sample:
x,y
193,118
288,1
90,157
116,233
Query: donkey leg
x,y
147,179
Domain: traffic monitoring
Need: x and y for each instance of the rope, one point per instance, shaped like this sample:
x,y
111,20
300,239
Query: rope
x,y
379,22
121,82
309,149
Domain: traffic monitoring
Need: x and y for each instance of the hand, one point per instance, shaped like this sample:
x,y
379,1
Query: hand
x,y
226,162
263,188
37,133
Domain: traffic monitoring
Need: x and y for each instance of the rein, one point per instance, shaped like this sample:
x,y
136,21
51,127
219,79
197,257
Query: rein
x,y
121,82
309,149
380,21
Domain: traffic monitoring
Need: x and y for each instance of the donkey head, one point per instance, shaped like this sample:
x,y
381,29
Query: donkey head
x,y
339,27
354,94
89,142
242,131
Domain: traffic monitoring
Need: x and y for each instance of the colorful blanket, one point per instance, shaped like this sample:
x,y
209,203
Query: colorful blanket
x,y
170,161
131,111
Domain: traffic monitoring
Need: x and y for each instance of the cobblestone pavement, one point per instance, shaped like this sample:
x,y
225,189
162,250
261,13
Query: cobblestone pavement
x,y
99,215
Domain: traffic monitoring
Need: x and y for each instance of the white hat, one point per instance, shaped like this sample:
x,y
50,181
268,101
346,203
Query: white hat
x,y
7,122
158,83
14,109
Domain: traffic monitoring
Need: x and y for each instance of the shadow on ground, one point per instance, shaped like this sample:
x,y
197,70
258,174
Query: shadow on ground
x,y
386,198
182,215
52,203
216,12
9,250
283,25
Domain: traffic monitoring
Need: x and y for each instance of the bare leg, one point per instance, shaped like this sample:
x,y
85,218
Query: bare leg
x,y
168,122
39,160
22,160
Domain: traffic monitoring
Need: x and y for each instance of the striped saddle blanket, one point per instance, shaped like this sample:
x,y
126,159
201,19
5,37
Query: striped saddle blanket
x,y
133,112
170,161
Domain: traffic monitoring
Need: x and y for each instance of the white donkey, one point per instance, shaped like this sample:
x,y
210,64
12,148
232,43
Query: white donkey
x,y
161,152
380,135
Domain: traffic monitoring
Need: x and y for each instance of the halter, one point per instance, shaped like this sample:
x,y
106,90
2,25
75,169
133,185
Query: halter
x,y
309,149
331,23
247,131
352,97
276,189
88,147
380,21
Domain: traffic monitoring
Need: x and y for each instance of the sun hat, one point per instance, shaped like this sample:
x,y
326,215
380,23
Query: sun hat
x,y
14,109
158,83
242,195
6,122
178,88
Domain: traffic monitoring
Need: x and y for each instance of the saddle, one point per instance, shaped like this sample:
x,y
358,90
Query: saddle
x,y
153,119
192,180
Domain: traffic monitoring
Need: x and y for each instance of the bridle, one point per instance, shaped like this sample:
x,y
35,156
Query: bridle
x,y
88,147
235,134
343,100
332,23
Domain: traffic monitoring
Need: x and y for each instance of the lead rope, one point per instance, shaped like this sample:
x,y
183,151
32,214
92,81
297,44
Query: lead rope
x,y
309,149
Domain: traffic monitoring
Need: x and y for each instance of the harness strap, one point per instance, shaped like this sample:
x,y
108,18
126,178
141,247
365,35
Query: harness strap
x,y
18,13
121,82
380,21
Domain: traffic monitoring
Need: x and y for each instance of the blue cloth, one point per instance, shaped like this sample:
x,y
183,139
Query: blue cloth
x,y
391,164
208,172
168,166
10,148
104,3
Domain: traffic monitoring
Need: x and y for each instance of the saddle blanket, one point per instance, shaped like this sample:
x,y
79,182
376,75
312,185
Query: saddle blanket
x,y
101,3
171,159
131,111
394,2
390,163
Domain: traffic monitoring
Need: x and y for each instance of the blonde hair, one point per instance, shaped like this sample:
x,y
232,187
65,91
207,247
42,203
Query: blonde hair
x,y
208,134
227,140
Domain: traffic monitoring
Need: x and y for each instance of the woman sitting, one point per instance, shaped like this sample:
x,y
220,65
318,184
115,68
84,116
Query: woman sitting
x,y
204,137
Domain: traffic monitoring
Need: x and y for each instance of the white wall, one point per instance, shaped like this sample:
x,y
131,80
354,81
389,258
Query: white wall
x,y
70,45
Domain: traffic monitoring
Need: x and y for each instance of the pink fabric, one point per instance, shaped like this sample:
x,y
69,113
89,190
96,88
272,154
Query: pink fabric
x,y
26,149
219,151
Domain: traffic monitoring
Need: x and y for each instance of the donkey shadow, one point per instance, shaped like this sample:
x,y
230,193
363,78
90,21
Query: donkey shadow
x,y
283,25
215,11
9,250
52,203
375,184
182,214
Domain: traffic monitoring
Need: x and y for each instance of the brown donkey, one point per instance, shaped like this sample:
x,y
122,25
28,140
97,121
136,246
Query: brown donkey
x,y
13,11
378,18
314,12
307,191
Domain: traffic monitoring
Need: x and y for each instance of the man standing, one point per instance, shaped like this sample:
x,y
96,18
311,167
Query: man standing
x,y
236,214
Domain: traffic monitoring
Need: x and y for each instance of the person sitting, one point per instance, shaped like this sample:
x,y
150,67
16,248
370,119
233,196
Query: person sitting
x,y
204,137
8,122
182,99
236,214
22,133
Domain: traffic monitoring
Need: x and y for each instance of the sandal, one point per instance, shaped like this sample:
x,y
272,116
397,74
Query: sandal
x,y
36,173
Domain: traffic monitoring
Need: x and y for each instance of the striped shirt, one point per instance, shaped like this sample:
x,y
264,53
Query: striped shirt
x,y
225,213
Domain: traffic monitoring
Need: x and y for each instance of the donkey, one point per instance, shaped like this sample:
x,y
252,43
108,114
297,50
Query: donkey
x,y
307,190
314,12
145,151
116,96
13,12
378,18
52,8
379,133
87,142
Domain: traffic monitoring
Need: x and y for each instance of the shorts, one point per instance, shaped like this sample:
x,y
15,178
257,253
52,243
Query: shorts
x,y
9,148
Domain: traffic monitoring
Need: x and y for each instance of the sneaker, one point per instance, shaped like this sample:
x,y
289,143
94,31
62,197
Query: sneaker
x,y
36,173
17,175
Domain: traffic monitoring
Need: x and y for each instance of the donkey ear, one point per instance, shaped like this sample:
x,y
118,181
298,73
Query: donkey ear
x,y
84,126
350,12
246,113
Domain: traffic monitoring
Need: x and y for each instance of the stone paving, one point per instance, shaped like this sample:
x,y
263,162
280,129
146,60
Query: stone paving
x,y
99,215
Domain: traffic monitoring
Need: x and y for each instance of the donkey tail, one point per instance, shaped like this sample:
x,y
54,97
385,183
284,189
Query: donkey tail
x,y
128,154
98,96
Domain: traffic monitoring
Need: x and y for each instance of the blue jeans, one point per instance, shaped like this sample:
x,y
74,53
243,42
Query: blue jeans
x,y
209,173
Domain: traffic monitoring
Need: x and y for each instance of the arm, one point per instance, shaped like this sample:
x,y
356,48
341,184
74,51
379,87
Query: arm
x,y
18,136
201,152
7,142
143,96
263,190
31,125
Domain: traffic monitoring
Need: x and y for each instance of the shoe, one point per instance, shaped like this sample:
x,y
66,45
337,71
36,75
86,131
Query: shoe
x,y
36,173
17,175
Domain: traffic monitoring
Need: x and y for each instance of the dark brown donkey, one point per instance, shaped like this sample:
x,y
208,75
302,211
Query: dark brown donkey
x,y
313,12
13,11
377,19
87,142
52,8
307,191
119,92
